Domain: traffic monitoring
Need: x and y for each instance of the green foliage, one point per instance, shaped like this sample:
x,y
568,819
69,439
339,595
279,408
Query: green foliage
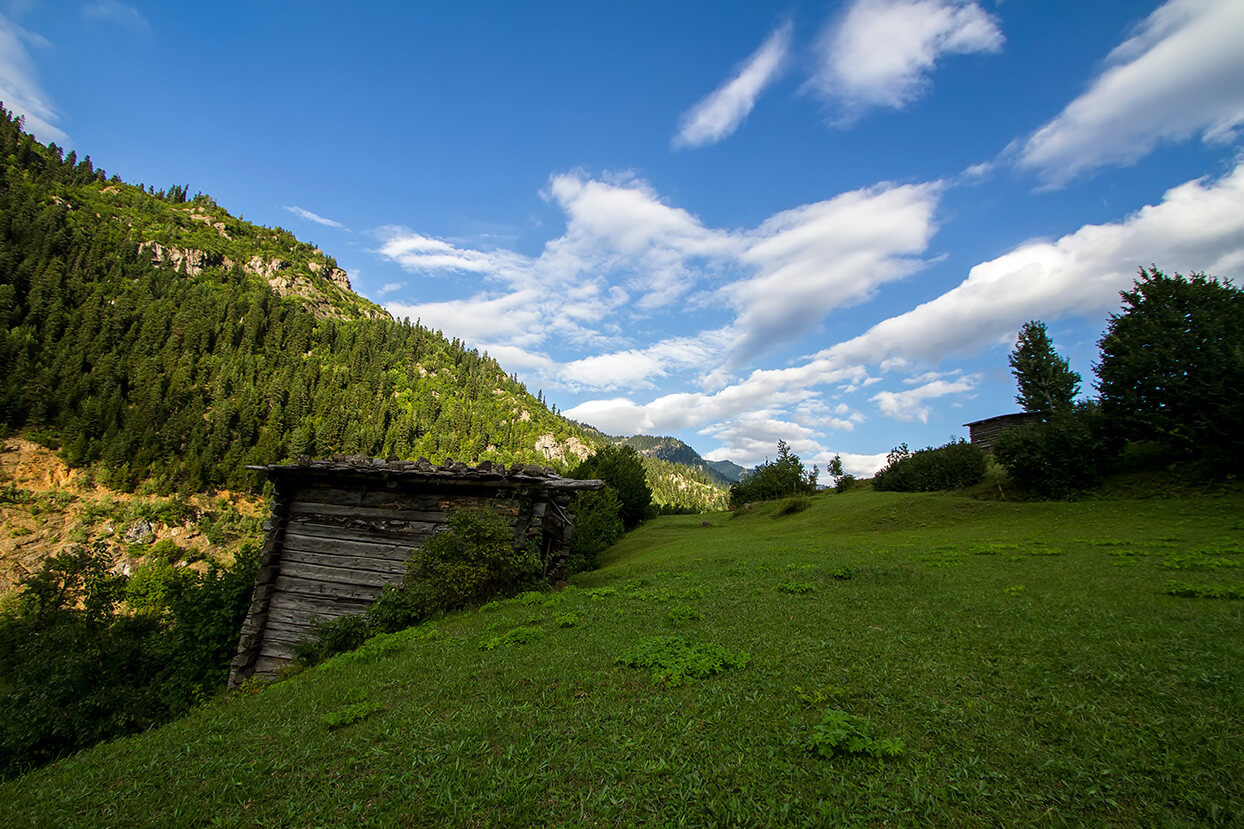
x,y
1203,591
1066,454
675,661
566,620
622,469
840,733
331,636
679,489
350,714
148,374
1172,367
796,587
793,505
597,524
473,559
782,477
1046,383
521,635
681,613
950,466
85,656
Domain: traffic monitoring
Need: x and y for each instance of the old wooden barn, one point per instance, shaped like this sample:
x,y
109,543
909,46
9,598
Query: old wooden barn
x,y
983,433
343,528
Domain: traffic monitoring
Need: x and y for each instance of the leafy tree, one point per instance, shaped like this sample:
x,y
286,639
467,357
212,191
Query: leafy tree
x,y
780,478
1172,366
1061,456
622,470
1046,383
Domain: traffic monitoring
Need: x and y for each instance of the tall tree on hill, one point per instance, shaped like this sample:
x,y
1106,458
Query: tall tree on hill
x,y
1172,366
1046,383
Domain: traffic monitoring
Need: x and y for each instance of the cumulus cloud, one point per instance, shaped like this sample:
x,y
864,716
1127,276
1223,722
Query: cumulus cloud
x,y
1178,76
880,53
719,114
117,12
19,88
315,217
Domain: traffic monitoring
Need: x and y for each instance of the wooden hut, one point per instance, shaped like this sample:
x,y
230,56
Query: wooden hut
x,y
983,433
343,528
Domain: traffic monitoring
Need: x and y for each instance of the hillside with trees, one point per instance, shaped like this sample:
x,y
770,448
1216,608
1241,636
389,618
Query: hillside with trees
x,y
157,338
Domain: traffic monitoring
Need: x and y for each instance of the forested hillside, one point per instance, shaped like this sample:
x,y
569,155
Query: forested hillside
x,y
160,338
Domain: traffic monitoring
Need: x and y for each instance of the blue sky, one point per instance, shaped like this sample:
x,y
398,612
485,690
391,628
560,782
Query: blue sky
x,y
734,223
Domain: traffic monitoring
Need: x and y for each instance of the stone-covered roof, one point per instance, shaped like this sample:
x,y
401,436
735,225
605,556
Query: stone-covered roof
x,y
449,473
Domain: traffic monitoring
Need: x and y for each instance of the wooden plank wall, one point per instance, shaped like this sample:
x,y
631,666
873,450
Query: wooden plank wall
x,y
329,551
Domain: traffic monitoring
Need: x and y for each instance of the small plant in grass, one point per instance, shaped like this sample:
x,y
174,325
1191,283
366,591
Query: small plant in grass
x,y
683,613
796,587
602,593
840,733
675,661
819,696
566,620
1203,591
841,573
1014,590
518,636
349,715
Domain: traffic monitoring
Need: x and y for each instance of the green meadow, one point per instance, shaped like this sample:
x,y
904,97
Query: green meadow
x,y
858,659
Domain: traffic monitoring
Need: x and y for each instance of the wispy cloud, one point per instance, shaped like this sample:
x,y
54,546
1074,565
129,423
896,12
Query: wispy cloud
x,y
1178,76
315,217
627,255
880,53
19,88
390,287
910,404
115,11
723,110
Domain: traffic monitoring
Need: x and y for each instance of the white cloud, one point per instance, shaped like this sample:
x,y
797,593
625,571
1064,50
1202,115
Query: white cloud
x,y
117,12
719,114
910,405
627,255
1198,226
315,217
880,52
822,256
390,287
19,88
1178,76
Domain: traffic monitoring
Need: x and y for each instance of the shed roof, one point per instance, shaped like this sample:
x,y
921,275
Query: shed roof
x,y
450,473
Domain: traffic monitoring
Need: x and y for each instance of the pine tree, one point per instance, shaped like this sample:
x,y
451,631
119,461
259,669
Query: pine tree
x,y
1046,382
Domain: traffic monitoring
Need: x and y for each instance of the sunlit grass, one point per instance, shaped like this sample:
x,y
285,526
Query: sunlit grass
x,y
1024,656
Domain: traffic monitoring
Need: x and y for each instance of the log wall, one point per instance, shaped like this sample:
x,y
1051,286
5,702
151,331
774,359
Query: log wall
x,y
336,537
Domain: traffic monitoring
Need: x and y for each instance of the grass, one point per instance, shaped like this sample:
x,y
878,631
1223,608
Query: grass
x,y
1009,663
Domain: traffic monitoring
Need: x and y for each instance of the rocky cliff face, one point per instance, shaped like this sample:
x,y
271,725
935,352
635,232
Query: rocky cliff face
x,y
282,276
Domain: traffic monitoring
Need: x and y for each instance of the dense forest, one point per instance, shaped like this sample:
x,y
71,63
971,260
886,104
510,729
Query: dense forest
x,y
186,370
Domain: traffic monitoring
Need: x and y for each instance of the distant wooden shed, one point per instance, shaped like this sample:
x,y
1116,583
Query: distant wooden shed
x,y
343,528
983,433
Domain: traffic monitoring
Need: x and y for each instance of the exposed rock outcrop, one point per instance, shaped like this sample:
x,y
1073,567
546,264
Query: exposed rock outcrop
x,y
555,450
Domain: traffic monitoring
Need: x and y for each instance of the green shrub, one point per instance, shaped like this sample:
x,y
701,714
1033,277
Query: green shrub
x,y
597,524
474,558
622,469
683,613
840,733
953,465
796,587
782,477
1062,456
518,636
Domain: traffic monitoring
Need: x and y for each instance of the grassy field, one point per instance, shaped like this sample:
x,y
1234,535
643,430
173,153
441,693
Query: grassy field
x,y
1024,655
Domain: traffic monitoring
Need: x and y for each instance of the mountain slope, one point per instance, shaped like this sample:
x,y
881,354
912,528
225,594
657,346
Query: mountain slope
x,y
163,339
